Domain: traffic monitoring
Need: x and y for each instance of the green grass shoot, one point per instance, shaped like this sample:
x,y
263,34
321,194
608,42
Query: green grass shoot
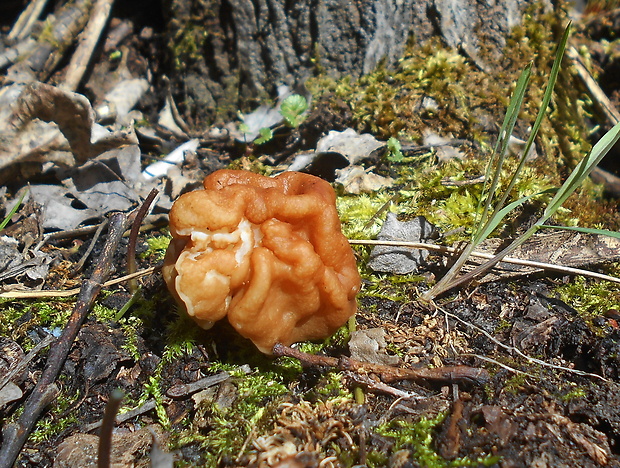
x,y
13,210
493,214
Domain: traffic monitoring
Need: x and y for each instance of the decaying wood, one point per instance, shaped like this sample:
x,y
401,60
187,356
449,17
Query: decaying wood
x,y
562,249
610,181
447,374
54,40
147,406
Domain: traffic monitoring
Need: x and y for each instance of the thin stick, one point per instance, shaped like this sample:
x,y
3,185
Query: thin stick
x,y
36,403
21,365
23,26
133,237
105,434
80,264
87,42
512,260
74,291
144,408
446,374
182,390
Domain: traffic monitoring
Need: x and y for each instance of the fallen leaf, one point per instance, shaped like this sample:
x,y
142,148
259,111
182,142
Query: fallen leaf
x,y
41,123
350,144
356,180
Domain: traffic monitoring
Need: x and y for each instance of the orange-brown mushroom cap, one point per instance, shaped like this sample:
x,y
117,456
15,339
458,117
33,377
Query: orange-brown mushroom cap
x,y
268,253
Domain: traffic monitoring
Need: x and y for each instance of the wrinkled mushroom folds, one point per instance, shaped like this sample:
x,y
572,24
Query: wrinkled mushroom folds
x,y
268,253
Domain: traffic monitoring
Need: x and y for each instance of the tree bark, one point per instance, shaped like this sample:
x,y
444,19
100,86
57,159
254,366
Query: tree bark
x,y
230,52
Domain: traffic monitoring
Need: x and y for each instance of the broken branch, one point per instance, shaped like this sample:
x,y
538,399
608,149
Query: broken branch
x,y
446,374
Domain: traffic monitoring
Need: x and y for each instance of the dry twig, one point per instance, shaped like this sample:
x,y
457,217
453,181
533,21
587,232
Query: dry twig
x,y
87,42
446,374
133,237
74,291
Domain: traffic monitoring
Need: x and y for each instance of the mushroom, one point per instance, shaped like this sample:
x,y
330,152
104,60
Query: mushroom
x,y
267,253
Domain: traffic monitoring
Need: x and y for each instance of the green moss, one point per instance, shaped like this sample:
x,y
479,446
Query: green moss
x,y
398,288
187,44
573,394
56,420
391,103
503,325
102,313
130,327
357,211
591,298
228,428
332,386
51,314
157,247
418,437
515,383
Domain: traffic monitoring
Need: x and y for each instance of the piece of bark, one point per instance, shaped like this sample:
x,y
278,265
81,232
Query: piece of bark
x,y
563,248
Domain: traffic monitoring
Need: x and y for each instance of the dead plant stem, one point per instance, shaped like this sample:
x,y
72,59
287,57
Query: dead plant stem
x,y
133,237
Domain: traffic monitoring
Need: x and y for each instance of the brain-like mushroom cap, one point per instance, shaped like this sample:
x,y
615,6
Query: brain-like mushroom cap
x,y
268,253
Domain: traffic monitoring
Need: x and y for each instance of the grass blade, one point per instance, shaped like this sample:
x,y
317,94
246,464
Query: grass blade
x,y
499,152
582,171
10,214
494,222
496,161
488,223
555,69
